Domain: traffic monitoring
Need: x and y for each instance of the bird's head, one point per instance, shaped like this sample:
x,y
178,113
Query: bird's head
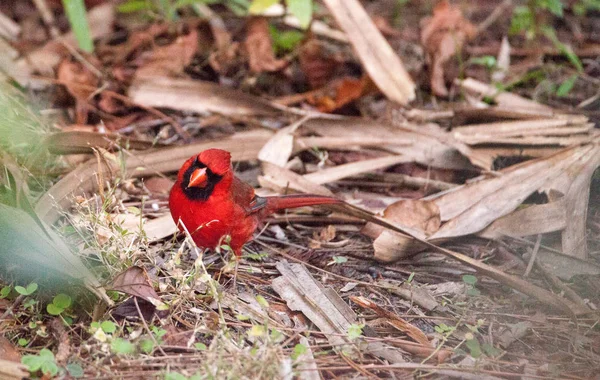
x,y
200,174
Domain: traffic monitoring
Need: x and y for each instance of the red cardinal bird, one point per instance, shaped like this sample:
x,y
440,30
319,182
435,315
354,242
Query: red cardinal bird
x,y
211,202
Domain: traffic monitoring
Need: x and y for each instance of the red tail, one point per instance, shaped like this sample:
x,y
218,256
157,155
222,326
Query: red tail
x,y
298,200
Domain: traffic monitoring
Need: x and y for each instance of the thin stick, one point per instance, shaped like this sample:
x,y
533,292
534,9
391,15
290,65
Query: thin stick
x,y
536,249
147,328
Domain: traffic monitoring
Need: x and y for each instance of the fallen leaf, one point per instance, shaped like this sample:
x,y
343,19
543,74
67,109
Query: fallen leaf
x,y
442,36
158,185
318,62
378,58
260,48
80,82
170,60
346,91
8,351
135,282
419,215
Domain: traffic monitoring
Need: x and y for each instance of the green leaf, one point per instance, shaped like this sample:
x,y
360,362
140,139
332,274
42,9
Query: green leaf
x,y
200,346
262,301
302,9
135,6
146,345
49,368
174,376
52,309
355,331
566,86
23,342
259,6
122,346
284,42
522,20
77,15
44,361
340,259
554,6
62,300
75,370
487,61
33,362
469,279
490,350
474,347
31,288
299,349
108,327
5,291
564,49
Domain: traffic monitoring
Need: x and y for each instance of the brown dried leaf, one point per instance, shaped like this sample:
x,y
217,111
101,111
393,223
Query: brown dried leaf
x,y
78,80
442,36
393,319
318,63
259,47
8,351
158,185
135,282
378,58
170,60
197,96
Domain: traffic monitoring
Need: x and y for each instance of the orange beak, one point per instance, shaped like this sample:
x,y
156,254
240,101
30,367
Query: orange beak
x,y
198,178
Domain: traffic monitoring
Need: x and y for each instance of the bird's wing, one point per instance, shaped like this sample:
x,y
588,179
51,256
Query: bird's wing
x,y
243,195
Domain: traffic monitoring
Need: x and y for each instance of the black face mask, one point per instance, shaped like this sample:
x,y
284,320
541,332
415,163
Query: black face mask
x,y
199,193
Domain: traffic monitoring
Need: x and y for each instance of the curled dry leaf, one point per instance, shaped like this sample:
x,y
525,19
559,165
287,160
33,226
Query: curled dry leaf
x,y
259,47
378,58
170,60
80,82
135,282
318,62
420,215
346,91
442,36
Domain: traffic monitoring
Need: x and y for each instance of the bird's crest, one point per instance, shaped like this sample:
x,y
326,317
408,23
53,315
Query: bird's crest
x,y
217,160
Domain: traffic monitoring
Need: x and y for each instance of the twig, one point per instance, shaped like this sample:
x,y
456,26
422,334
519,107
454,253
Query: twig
x,y
494,16
47,17
146,326
536,249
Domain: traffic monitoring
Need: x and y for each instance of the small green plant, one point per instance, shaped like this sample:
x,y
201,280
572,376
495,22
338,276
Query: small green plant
x,y
302,9
299,350
338,260
59,304
566,86
44,361
122,346
27,291
355,331
487,61
169,9
5,291
525,18
286,41
471,281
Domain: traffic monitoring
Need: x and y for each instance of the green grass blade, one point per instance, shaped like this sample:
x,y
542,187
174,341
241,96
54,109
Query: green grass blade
x,y
76,13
